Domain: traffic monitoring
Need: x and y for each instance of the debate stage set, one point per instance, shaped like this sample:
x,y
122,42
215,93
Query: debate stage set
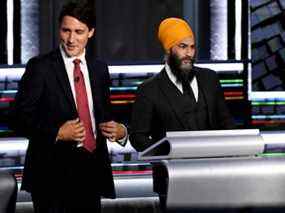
x,y
238,170
197,171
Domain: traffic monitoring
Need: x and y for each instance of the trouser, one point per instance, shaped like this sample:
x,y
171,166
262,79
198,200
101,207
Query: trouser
x,y
50,205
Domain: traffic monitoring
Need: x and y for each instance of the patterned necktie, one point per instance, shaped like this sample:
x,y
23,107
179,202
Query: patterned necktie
x,y
82,107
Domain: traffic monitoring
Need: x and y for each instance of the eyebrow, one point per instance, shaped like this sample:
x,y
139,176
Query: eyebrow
x,y
185,44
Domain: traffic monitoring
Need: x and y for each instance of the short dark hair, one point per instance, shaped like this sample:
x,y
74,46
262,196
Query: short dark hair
x,y
81,10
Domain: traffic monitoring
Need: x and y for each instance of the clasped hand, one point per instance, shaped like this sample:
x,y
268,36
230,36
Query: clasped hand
x,y
112,130
73,130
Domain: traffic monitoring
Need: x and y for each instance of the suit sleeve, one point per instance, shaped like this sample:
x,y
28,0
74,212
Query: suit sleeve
x,y
141,122
224,118
108,114
25,111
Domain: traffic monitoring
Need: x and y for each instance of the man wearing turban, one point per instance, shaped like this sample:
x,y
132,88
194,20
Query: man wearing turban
x,y
181,97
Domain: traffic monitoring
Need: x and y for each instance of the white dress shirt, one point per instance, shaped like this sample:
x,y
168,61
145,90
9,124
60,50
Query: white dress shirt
x,y
173,79
69,66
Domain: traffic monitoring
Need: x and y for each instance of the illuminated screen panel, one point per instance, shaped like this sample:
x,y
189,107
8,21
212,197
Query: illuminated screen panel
x,y
266,70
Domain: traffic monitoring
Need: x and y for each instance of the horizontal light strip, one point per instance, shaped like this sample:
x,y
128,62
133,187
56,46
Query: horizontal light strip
x,y
122,88
224,81
234,98
132,172
13,144
16,73
8,91
271,155
6,100
132,83
266,95
126,97
122,102
269,103
130,164
134,88
232,85
5,130
259,117
267,122
233,93
12,168
222,67
123,96
11,74
135,69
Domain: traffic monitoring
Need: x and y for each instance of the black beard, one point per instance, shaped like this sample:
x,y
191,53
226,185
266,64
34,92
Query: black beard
x,y
181,74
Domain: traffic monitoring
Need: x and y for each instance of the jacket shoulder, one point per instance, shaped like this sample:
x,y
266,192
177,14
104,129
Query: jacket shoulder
x,y
100,61
205,71
43,59
95,61
150,84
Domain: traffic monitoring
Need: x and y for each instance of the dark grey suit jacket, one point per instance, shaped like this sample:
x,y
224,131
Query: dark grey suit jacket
x,y
156,109
43,103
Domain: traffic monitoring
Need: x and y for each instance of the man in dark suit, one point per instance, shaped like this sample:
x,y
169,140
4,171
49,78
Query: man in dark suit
x,y
63,108
181,97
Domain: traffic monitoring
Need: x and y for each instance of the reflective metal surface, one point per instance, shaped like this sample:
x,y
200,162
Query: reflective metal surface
x,y
199,144
224,182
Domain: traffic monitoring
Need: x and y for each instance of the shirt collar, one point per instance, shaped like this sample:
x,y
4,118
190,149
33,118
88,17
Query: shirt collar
x,y
170,74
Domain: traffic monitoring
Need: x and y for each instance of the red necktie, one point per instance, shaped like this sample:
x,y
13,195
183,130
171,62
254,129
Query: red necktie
x,y
82,106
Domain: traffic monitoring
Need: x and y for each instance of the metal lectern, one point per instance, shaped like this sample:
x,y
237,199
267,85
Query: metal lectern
x,y
216,170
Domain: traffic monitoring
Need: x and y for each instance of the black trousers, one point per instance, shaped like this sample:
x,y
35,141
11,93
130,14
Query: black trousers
x,y
44,204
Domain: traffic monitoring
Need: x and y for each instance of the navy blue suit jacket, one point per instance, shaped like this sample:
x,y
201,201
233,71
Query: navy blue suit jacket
x,y
43,103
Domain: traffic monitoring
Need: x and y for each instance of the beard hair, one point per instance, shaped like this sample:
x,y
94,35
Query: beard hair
x,y
181,71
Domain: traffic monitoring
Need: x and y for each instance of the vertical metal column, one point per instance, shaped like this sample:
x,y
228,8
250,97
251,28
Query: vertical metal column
x,y
238,30
29,29
10,34
219,29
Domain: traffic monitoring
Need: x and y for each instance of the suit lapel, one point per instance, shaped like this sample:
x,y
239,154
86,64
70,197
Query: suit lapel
x,y
96,89
172,94
93,80
62,77
203,89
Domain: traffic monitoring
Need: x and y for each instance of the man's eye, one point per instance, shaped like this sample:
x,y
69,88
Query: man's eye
x,y
79,31
182,46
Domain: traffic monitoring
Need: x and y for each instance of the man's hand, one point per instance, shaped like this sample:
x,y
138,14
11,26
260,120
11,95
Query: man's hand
x,y
72,130
112,130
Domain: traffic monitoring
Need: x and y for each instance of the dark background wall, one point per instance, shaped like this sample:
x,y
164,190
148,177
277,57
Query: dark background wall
x,y
126,31
129,31
3,32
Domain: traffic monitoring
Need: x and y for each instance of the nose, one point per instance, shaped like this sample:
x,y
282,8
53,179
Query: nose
x,y
190,52
71,37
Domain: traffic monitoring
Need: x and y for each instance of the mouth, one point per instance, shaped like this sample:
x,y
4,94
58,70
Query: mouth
x,y
70,48
186,61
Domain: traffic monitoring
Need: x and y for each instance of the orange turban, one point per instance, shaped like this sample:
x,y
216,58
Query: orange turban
x,y
172,30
